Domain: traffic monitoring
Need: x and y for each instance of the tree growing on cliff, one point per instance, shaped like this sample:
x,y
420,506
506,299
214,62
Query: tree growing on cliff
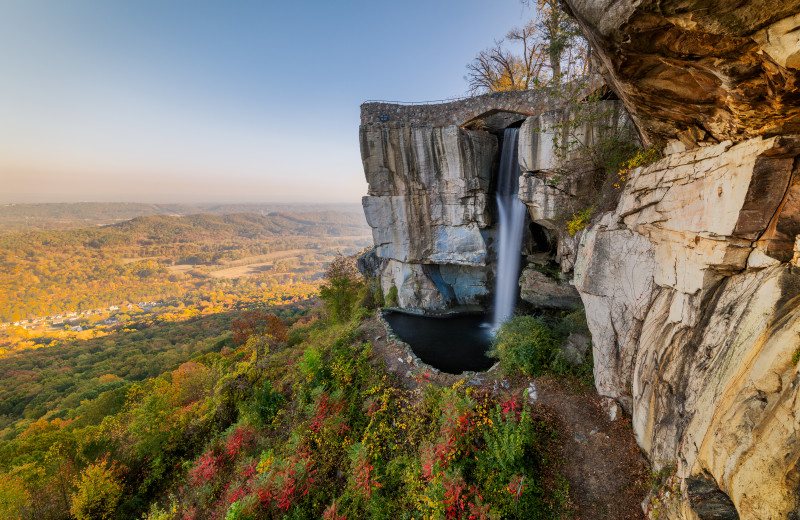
x,y
341,288
550,49
562,39
498,68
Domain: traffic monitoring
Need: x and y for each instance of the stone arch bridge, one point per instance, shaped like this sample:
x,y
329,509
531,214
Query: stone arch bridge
x,y
461,112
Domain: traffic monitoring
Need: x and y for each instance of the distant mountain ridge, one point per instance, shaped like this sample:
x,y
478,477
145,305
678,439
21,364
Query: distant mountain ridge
x,y
30,217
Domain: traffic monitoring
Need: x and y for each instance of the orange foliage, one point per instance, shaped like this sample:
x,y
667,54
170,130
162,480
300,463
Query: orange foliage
x,y
259,323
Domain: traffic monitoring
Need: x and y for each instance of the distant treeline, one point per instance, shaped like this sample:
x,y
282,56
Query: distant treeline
x,y
30,217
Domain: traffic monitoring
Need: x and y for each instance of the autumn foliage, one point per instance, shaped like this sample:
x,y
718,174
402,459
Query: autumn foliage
x,y
312,430
260,323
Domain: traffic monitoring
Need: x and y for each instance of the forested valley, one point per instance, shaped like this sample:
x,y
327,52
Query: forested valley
x,y
266,412
149,258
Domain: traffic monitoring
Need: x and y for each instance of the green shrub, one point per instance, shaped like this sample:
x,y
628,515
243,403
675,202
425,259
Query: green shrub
x,y
508,442
525,344
391,298
576,322
267,403
504,466
297,336
796,357
239,511
361,314
569,323
373,297
311,364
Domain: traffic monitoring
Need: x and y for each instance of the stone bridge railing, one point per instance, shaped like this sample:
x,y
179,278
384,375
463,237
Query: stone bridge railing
x,y
462,111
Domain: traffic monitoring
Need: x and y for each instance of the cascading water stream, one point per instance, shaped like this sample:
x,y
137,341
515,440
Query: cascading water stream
x,y
511,219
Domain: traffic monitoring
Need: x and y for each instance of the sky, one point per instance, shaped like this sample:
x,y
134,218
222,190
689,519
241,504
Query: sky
x,y
226,101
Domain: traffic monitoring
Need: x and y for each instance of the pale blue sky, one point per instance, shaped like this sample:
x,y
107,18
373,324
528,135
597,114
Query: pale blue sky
x,y
224,101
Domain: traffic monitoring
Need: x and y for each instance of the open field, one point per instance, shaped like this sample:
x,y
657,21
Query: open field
x,y
257,265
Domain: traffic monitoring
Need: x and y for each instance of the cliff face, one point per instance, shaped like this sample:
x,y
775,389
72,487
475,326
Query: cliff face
x,y
427,207
695,316
690,281
689,286
431,194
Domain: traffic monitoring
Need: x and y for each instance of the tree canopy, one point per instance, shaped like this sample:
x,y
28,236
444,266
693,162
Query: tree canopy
x,y
549,49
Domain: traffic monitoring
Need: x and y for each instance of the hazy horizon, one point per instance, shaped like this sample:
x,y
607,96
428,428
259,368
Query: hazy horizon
x,y
195,101
199,204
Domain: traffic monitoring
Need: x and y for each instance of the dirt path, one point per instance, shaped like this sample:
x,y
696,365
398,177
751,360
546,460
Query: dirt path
x,y
607,473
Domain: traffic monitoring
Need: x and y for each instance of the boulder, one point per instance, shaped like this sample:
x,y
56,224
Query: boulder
x,y
545,292
574,348
369,263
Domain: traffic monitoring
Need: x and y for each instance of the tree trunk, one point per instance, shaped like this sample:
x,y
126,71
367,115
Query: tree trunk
x,y
555,64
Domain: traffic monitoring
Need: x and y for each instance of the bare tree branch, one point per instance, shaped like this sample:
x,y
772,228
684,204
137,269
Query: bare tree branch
x,y
553,51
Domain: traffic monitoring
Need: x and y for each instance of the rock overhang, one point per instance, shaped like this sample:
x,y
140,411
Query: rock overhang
x,y
699,70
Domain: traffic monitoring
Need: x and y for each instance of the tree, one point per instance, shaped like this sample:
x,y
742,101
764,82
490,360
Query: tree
x,y
13,496
552,50
258,322
98,494
342,285
497,68
561,35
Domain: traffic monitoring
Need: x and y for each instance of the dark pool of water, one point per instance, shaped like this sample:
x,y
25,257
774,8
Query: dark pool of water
x,y
453,344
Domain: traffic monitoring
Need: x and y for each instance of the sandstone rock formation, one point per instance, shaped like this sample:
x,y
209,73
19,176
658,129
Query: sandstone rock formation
x,y
546,292
690,282
695,318
700,70
691,296
558,153
430,204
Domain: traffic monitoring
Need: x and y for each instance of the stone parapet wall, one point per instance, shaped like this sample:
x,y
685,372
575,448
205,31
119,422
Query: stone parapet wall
x,y
462,111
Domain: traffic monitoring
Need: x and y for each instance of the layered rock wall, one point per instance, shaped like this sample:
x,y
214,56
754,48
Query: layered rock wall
x,y
699,70
689,281
695,318
689,284
430,172
427,207
559,155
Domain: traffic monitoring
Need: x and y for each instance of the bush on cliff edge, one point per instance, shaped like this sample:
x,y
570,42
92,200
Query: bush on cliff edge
x,y
525,344
532,345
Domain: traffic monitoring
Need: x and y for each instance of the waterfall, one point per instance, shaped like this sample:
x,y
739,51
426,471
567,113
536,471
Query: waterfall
x,y
511,219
